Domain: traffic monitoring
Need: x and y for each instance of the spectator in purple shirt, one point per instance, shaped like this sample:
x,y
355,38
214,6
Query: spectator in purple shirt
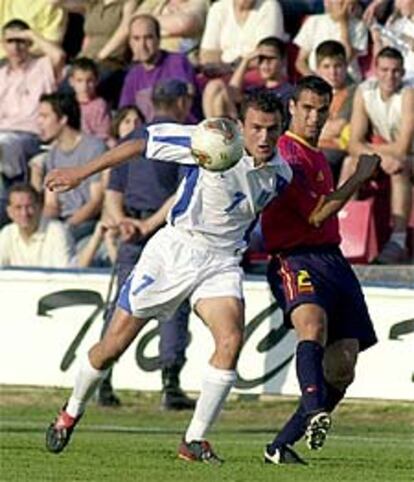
x,y
151,65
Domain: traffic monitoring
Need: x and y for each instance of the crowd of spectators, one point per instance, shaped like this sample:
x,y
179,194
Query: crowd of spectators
x,y
62,108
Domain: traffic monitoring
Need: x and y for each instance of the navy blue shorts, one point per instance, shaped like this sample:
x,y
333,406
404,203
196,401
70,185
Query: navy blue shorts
x,y
322,276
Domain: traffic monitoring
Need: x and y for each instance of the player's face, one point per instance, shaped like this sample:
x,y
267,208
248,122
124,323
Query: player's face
x,y
389,73
143,41
261,131
333,71
23,210
309,114
50,126
84,84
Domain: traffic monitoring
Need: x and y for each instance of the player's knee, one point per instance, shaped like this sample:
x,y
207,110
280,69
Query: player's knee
x,y
340,377
309,321
340,369
312,329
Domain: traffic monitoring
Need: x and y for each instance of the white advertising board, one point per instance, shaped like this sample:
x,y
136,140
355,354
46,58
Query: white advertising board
x,y
44,330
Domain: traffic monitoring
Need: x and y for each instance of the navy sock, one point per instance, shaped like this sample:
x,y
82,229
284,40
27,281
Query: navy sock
x,y
309,368
333,397
293,430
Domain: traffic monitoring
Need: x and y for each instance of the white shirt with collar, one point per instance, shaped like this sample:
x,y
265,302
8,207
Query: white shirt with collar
x,y
50,246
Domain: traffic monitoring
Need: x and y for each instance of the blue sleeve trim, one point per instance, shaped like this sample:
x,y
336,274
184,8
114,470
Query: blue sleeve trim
x,y
123,298
184,141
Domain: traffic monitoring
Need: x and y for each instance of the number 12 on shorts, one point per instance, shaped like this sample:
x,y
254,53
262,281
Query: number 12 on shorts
x,y
146,281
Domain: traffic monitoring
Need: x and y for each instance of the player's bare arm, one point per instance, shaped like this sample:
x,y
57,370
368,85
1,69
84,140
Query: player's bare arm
x,y
367,165
66,179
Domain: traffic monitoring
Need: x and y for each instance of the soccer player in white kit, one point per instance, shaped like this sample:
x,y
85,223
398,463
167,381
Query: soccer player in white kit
x,y
196,255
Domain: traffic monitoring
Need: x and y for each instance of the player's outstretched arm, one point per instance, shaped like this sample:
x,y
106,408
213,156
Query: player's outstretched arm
x,y
367,166
65,179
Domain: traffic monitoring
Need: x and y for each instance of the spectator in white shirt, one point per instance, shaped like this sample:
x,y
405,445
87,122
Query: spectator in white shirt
x,y
340,22
235,27
32,240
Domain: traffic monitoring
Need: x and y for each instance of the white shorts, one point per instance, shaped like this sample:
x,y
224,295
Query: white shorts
x,y
173,268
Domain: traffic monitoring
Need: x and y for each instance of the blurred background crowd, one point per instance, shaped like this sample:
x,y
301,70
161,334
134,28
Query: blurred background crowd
x,y
79,76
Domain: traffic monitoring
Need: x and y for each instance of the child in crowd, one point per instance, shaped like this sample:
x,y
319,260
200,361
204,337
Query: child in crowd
x,y
339,22
269,62
95,115
331,65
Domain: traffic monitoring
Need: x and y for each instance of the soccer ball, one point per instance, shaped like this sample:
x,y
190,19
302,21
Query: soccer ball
x,y
217,144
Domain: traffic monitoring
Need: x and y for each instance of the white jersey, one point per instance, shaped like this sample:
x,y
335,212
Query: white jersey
x,y
385,116
219,209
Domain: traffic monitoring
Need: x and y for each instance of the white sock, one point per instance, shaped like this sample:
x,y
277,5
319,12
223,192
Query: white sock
x,y
399,237
86,381
215,387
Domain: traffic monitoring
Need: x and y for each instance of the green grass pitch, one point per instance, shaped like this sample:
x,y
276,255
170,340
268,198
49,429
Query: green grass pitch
x,y
370,441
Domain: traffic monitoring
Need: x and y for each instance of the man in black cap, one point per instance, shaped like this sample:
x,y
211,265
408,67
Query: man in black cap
x,y
137,197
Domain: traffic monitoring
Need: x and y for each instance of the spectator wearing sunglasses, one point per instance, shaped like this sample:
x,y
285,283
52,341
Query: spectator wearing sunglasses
x,y
269,63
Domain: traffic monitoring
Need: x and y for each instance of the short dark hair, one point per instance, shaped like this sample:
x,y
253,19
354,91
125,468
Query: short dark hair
x,y
313,83
86,65
276,43
330,49
261,99
15,24
151,18
64,105
166,92
26,188
390,53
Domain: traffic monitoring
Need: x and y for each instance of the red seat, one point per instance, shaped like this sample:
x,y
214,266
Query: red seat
x,y
357,228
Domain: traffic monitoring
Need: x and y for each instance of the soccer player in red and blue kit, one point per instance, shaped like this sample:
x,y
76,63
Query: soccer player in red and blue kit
x,y
310,278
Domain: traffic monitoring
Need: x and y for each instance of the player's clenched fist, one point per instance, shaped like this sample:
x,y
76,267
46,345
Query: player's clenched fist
x,y
62,180
367,165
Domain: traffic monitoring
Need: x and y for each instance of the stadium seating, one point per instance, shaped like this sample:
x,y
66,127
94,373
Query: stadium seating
x,y
357,228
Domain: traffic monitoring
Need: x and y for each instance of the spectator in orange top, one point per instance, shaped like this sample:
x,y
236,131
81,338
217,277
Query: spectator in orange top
x,y
331,65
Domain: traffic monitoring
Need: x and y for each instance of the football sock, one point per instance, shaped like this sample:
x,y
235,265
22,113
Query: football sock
x,y
293,430
333,397
86,381
309,369
215,387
